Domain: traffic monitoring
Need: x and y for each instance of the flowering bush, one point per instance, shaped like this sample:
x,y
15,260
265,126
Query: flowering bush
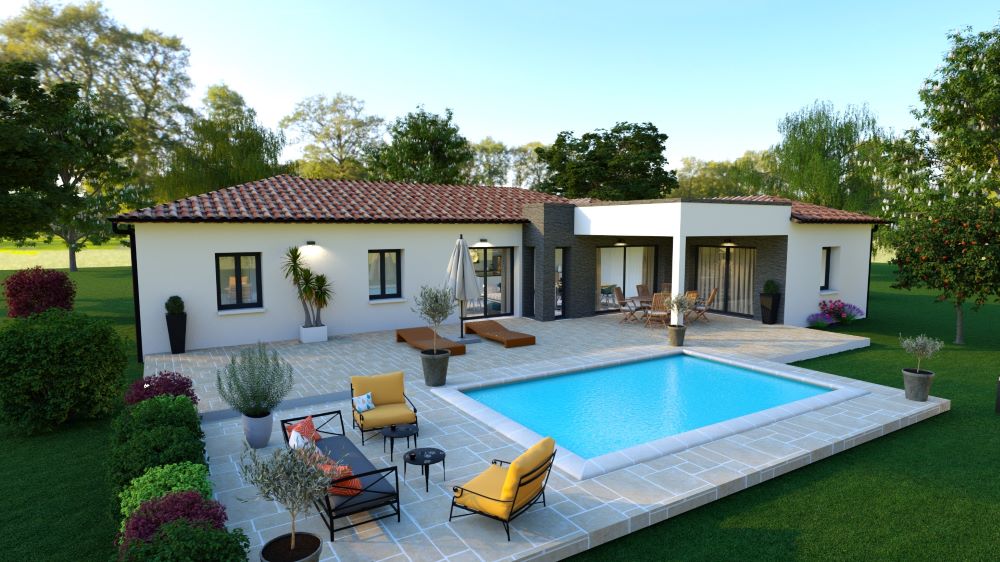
x,y
839,311
164,382
34,290
820,320
153,514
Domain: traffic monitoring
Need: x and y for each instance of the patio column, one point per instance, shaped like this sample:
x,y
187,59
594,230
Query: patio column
x,y
679,258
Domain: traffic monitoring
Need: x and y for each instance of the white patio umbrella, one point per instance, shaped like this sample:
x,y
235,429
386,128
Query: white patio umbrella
x,y
462,281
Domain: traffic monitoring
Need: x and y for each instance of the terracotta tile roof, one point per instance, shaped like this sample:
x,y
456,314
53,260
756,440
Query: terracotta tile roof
x,y
808,212
288,198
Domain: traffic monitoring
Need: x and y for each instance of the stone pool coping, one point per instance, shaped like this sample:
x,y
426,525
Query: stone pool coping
x,y
582,468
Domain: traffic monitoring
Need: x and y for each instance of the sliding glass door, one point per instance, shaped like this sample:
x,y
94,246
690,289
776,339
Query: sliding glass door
x,y
494,268
730,271
625,267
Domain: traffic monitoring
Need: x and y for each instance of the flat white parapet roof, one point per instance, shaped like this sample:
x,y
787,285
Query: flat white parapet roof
x,y
683,218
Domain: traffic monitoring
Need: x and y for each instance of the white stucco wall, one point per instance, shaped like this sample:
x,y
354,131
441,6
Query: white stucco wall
x,y
179,258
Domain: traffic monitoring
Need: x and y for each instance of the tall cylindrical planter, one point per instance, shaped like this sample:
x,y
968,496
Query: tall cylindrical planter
x,y
258,430
769,305
676,335
435,366
917,385
307,548
177,330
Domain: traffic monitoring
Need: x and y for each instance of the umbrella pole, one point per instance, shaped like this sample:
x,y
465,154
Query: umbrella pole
x,y
461,319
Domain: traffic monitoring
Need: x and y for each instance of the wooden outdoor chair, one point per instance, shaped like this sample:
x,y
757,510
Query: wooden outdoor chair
x,y
701,308
666,288
627,307
659,311
643,292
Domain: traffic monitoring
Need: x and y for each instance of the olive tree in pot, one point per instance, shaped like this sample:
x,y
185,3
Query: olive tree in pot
x,y
434,305
292,478
176,323
253,384
770,302
917,382
679,305
314,292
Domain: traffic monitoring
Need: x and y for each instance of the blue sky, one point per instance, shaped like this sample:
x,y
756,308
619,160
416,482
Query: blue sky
x,y
715,76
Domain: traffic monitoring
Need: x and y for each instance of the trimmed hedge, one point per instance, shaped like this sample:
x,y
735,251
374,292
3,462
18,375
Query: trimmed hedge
x,y
158,411
153,514
34,290
162,480
164,382
184,541
59,365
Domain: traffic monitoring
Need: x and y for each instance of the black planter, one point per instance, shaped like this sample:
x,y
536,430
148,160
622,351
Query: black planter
x,y
177,331
769,305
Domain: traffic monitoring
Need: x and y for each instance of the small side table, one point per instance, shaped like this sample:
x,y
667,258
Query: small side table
x,y
398,431
424,458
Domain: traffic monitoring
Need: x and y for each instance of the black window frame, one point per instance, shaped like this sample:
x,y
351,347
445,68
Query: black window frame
x,y
239,304
826,250
381,270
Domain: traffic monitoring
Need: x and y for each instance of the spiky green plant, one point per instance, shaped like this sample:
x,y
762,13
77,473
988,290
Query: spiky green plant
x,y
313,290
254,382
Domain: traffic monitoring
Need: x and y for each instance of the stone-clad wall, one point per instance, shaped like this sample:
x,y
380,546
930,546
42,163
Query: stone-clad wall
x,y
772,255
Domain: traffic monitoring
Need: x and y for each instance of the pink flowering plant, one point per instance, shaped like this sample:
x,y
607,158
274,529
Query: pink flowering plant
x,y
837,311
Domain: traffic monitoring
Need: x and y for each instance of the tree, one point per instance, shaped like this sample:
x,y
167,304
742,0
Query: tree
x,y
750,174
139,77
226,146
423,148
625,163
491,163
529,170
29,113
338,134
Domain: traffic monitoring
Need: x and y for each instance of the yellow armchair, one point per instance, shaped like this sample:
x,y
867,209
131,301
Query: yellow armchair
x,y
392,406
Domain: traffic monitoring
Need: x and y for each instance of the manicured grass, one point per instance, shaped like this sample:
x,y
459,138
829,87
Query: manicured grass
x,y
57,503
54,255
928,492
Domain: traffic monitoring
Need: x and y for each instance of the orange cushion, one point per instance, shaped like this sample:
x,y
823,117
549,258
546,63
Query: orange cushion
x,y
306,429
350,487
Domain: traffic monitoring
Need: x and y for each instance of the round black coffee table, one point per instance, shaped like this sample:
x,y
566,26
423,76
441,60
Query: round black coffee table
x,y
424,458
398,431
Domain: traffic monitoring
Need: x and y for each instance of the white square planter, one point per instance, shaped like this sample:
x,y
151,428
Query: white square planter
x,y
312,335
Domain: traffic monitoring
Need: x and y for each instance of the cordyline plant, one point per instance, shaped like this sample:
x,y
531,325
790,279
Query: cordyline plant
x,y
290,477
254,383
922,347
314,290
434,305
681,304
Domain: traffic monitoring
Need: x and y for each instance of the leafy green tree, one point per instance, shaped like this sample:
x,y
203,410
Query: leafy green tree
x,y
338,133
750,174
29,159
529,170
425,148
139,77
625,163
226,146
491,163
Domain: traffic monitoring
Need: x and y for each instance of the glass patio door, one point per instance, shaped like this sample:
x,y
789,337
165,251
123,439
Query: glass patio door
x,y
731,271
494,268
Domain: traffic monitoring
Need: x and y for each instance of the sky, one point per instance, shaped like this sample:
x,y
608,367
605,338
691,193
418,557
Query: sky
x,y
715,76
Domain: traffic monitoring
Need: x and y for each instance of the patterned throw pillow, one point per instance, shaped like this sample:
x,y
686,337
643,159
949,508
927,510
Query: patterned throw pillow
x,y
364,402
350,487
301,431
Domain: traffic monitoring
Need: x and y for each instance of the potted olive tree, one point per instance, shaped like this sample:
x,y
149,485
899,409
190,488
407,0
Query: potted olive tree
x,y
292,478
770,302
917,382
434,305
253,384
680,304
314,292
176,323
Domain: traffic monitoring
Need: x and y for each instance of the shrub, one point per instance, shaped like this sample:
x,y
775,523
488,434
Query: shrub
x,y
839,310
152,447
254,383
162,480
922,347
158,411
174,305
820,320
771,287
30,291
434,305
153,514
59,365
191,542
162,383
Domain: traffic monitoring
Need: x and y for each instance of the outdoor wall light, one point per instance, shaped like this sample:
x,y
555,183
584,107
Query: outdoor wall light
x,y
310,242
728,243
483,240
620,242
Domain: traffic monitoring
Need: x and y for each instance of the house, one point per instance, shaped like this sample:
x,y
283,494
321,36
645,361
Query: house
x,y
538,255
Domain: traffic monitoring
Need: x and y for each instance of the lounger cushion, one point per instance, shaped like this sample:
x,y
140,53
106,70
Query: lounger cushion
x,y
382,416
489,483
524,465
386,388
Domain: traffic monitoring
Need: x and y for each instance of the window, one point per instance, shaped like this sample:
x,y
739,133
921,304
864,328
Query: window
x,y
825,264
495,270
384,274
237,281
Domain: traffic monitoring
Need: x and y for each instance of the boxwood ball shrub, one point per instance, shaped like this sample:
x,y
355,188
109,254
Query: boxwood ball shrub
x,y
59,365
153,514
162,480
191,542
34,290
164,382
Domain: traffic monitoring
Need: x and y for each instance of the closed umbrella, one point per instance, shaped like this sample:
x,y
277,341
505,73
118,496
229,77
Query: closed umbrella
x,y
462,281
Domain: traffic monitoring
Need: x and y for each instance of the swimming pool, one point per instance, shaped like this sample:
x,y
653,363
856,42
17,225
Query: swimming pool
x,y
600,411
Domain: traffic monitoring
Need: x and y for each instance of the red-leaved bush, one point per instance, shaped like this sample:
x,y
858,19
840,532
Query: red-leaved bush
x,y
34,290
164,382
189,505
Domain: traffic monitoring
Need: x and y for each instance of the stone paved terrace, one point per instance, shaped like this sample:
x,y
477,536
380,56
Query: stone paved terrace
x,y
580,514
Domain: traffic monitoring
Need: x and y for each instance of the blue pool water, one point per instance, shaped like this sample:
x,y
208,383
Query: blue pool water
x,y
603,410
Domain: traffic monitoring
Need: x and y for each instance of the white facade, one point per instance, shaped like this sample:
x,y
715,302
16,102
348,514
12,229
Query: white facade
x,y
176,258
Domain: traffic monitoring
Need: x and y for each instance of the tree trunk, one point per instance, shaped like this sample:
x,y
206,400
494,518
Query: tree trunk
x,y
959,324
72,257
305,308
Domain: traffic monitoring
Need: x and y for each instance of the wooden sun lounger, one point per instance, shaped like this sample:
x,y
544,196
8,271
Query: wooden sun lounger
x,y
422,338
492,330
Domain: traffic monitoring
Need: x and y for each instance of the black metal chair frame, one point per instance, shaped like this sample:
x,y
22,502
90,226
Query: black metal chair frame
x,y
541,471
327,512
354,422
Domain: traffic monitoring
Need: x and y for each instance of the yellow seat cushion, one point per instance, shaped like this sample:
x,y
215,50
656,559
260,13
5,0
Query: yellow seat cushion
x,y
386,388
382,416
488,483
524,465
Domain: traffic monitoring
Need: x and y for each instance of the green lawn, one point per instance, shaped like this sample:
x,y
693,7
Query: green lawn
x,y
928,492
56,501
54,255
